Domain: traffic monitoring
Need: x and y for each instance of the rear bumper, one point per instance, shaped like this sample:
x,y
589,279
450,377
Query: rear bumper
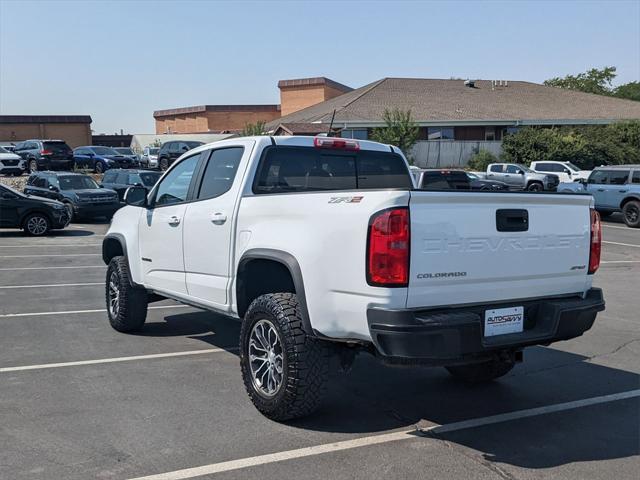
x,y
456,335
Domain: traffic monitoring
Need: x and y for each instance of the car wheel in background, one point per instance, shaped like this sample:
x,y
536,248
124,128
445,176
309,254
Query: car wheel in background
x,y
285,371
36,225
33,166
69,207
164,164
99,167
535,187
631,213
126,304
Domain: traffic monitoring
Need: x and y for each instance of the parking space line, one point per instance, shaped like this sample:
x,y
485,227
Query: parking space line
x,y
69,312
51,268
53,245
384,438
51,285
115,360
616,226
56,255
620,261
623,244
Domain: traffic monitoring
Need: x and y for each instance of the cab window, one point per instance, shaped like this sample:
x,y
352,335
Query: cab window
x,y
496,168
174,187
513,169
220,172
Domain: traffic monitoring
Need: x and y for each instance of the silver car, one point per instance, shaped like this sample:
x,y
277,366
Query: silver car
x,y
520,177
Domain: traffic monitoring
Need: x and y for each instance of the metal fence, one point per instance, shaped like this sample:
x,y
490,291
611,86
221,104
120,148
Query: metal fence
x,y
454,153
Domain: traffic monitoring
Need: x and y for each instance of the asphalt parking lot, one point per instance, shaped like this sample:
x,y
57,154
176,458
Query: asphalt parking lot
x,y
79,400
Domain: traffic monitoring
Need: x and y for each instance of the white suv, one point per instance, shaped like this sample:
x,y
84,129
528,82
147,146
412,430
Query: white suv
x,y
11,164
566,171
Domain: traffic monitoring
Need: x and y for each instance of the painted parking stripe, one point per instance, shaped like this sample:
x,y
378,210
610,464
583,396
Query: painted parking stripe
x,y
622,244
616,226
51,268
70,312
56,255
7,287
380,439
53,245
115,360
620,261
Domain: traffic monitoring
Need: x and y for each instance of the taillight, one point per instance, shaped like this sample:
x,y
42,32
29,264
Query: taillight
x,y
333,142
388,248
596,242
46,152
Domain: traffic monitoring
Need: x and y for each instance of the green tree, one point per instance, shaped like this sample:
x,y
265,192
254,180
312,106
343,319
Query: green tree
x,y
592,81
630,91
481,160
253,129
399,130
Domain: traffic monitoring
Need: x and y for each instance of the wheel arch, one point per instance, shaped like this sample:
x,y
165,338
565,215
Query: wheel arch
x,y
628,199
282,268
31,211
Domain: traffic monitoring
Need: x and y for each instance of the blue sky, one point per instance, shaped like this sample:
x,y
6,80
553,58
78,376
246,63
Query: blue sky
x,y
118,61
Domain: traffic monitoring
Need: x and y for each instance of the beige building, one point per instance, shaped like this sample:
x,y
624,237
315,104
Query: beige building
x,y
294,95
74,129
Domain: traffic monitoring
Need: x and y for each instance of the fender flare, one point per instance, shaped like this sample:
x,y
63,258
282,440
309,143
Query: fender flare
x,y
118,237
630,198
292,265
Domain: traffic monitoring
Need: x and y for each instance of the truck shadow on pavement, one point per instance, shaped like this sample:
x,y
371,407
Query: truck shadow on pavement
x,y
374,398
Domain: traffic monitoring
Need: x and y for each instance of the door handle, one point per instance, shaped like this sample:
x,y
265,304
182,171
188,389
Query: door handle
x,y
218,218
623,191
173,221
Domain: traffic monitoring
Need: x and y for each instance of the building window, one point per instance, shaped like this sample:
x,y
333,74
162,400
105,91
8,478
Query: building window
x,y
357,133
490,134
440,133
509,131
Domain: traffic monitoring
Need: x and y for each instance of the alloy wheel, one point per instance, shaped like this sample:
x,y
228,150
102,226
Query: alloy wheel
x,y
266,358
631,214
37,225
114,294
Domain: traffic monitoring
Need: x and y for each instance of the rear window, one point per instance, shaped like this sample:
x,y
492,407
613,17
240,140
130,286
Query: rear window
x,y
445,180
304,169
58,147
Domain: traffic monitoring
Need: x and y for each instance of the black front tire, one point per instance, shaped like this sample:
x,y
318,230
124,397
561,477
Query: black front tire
x,y
481,372
130,310
70,212
36,225
631,213
305,366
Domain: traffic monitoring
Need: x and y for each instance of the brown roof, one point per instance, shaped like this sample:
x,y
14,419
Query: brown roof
x,y
216,108
305,82
45,119
432,100
302,128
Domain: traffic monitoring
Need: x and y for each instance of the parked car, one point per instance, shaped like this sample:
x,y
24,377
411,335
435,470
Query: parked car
x,y
324,249
9,146
36,216
171,150
441,179
120,180
149,157
480,183
614,189
46,155
521,177
100,159
565,171
128,152
80,194
11,164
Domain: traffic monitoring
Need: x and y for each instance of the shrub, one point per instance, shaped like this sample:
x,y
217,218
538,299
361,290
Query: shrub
x,y
399,130
481,160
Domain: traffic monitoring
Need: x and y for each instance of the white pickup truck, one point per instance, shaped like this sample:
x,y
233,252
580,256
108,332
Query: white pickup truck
x,y
324,248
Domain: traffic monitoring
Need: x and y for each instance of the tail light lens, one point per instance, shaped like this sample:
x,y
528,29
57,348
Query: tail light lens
x,y
46,152
388,248
596,242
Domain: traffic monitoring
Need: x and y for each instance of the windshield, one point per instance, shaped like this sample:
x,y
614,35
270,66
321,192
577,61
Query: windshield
x,y
104,151
572,167
153,151
149,179
125,151
76,182
3,150
194,144
526,169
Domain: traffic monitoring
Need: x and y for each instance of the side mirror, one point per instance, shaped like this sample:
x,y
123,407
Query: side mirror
x,y
566,170
136,196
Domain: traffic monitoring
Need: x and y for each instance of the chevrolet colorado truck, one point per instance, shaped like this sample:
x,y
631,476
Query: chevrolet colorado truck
x,y
324,248
521,177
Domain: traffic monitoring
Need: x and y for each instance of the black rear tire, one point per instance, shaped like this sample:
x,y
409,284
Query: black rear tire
x,y
535,187
631,213
481,372
305,359
69,207
129,311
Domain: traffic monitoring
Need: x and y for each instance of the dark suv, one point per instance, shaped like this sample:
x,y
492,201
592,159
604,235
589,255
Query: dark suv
x,y
80,193
171,150
36,216
45,154
120,180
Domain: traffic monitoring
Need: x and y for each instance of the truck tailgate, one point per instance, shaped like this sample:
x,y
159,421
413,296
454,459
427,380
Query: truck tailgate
x,y
471,247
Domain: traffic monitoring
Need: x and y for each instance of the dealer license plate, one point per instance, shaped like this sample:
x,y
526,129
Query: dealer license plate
x,y
503,320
